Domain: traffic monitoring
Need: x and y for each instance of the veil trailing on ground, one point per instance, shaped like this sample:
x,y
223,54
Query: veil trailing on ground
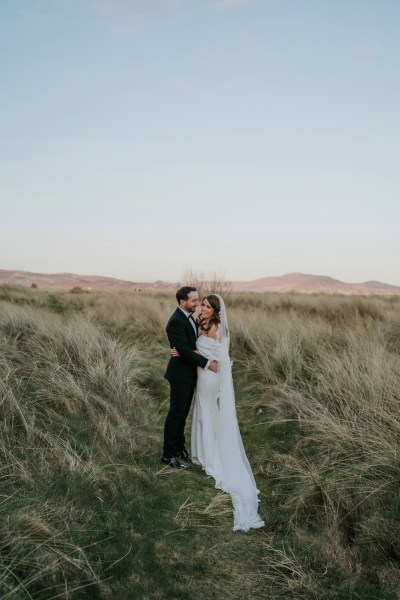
x,y
237,476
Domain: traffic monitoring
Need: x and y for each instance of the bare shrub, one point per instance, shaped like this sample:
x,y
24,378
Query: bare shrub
x,y
207,282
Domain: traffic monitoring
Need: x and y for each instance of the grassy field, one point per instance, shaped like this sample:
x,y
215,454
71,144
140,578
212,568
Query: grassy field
x,y
88,511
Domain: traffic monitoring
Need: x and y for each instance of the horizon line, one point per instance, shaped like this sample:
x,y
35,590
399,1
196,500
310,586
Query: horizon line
x,y
206,277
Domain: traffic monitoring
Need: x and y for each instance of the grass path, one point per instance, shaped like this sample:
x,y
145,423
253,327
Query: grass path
x,y
189,525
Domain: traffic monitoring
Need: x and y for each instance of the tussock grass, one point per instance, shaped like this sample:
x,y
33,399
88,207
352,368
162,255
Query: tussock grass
x,y
215,513
86,508
134,318
336,380
70,400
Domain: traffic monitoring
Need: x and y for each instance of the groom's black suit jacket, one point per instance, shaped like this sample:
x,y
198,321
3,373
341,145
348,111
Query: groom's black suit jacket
x,y
181,335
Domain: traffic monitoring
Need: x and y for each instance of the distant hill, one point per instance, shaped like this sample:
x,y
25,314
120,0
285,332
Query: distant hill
x,y
309,284
291,282
66,281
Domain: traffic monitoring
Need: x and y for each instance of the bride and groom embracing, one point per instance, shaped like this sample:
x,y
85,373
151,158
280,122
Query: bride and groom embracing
x,y
200,365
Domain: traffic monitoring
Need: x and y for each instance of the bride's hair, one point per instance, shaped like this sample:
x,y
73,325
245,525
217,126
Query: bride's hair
x,y
215,319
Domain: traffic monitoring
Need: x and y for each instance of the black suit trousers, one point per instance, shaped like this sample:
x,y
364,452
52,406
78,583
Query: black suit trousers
x,y
174,428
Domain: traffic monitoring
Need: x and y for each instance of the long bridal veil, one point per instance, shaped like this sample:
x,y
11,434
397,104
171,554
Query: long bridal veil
x,y
237,476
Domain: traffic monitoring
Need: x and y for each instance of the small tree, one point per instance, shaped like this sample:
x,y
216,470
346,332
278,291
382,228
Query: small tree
x,y
207,283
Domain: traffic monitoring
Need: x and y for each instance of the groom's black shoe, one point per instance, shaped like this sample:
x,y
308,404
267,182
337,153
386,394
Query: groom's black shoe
x,y
184,455
173,461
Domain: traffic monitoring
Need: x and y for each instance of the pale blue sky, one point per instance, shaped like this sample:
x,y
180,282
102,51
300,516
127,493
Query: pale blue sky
x,y
142,138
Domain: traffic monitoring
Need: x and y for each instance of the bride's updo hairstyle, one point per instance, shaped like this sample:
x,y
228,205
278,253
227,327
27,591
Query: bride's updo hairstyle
x,y
215,320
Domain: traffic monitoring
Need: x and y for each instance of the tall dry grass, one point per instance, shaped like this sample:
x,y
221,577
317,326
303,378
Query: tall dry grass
x,y
330,367
318,402
70,400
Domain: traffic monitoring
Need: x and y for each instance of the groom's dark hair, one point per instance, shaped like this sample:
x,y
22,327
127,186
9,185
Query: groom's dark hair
x,y
183,293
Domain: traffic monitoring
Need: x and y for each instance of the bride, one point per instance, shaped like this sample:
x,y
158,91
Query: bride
x,y
216,441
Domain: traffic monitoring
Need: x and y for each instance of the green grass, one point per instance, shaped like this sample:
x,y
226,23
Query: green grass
x,y
88,511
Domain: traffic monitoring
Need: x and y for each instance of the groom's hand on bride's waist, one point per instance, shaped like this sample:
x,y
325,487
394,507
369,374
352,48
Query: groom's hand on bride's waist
x,y
213,366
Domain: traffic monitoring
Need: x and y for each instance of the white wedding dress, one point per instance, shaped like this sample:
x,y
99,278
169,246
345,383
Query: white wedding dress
x,y
216,442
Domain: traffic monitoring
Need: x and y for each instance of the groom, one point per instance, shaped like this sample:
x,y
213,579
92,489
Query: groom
x,y
182,375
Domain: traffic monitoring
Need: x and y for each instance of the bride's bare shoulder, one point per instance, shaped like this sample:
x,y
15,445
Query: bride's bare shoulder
x,y
213,331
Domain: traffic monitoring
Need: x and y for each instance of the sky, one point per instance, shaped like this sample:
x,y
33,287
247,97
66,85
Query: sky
x,y
142,139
